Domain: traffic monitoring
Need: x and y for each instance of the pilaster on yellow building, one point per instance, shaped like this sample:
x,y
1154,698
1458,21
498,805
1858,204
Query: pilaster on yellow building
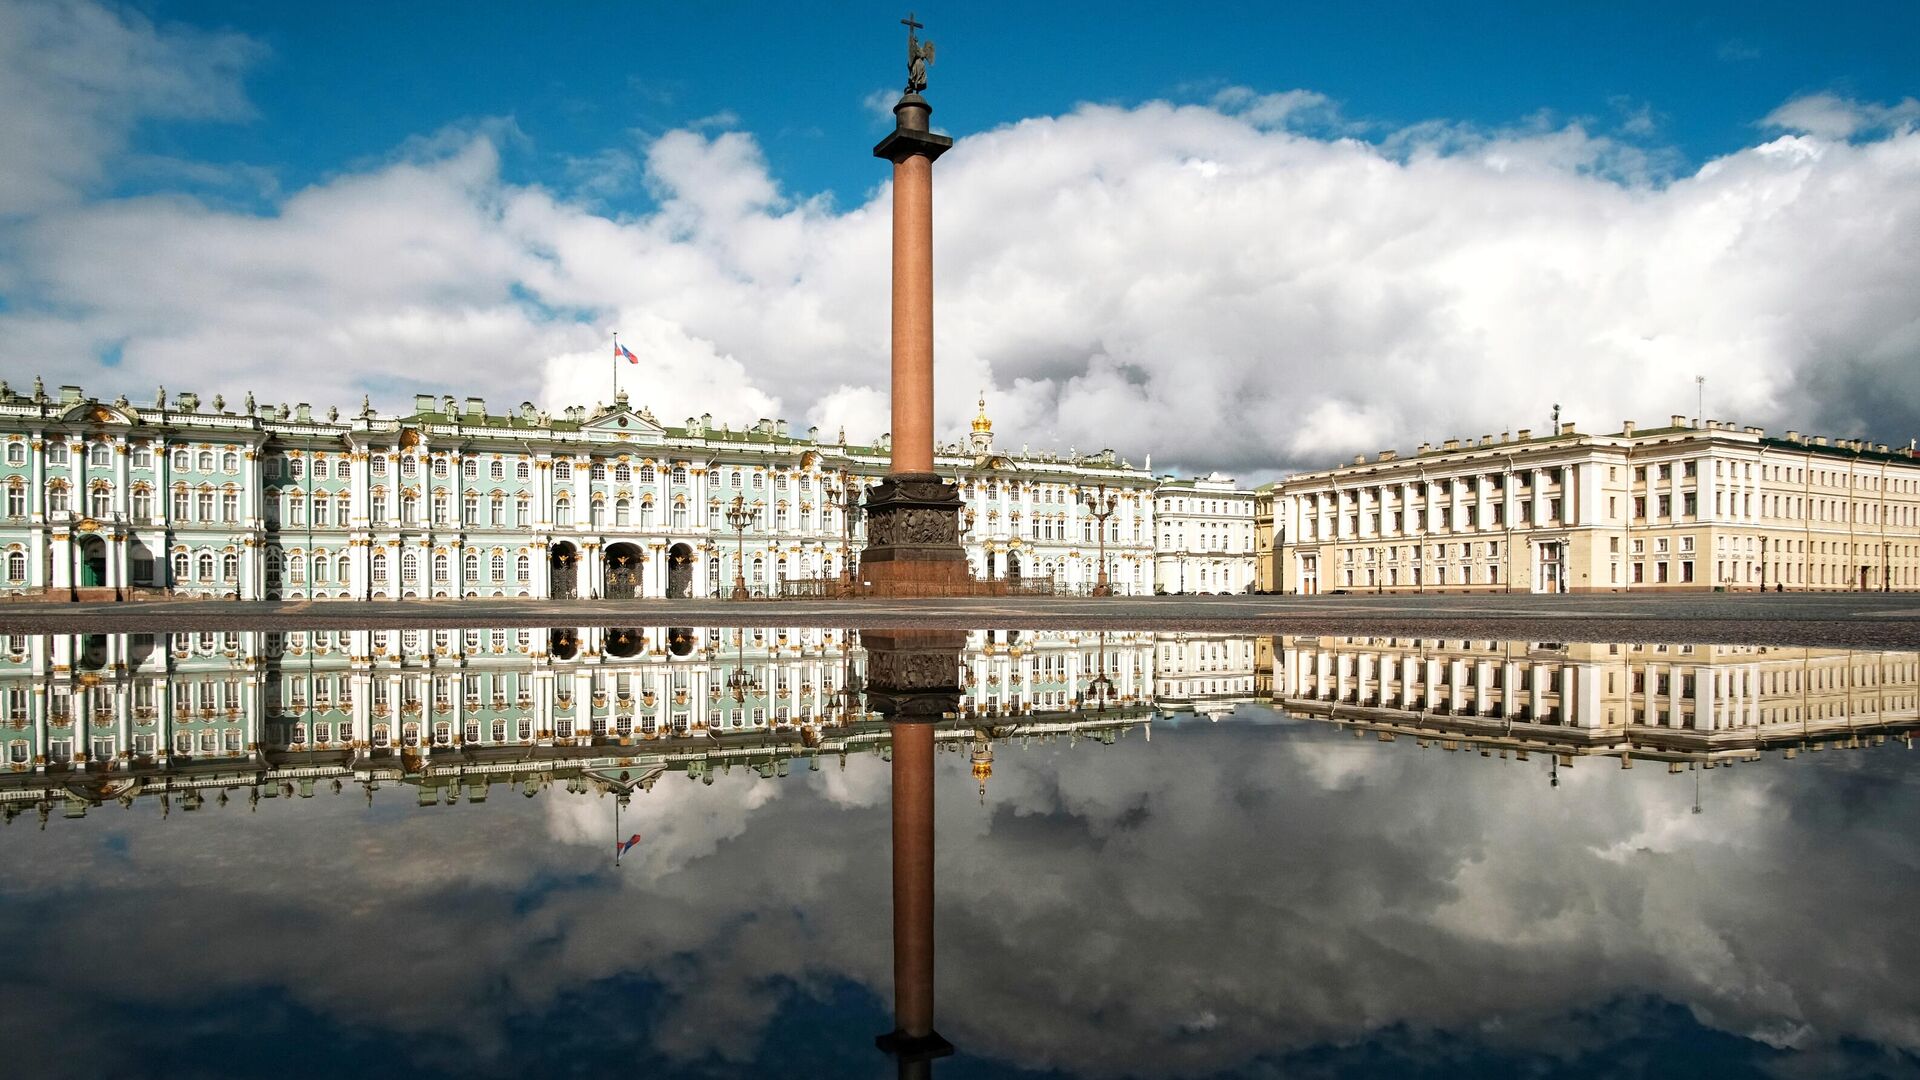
x,y
1681,507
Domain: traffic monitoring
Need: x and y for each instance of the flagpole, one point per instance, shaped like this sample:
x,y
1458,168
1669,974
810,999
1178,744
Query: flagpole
x,y
616,367
617,852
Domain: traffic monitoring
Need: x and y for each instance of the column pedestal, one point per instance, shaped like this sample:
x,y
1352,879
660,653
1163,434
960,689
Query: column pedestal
x,y
913,537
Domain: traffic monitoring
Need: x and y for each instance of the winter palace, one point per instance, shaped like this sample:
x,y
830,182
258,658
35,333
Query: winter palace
x,y
451,500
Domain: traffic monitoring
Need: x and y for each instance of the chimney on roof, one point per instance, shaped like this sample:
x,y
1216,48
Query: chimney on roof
x,y
1756,431
1450,444
1819,440
303,412
1359,459
1626,428
1676,420
476,406
780,428
1792,435
1567,428
422,403
1389,455
1425,448
1524,434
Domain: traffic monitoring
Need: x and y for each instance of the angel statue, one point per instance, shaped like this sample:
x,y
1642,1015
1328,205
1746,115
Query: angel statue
x,y
919,55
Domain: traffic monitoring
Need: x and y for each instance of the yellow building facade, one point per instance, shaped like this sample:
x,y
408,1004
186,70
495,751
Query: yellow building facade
x,y
1675,508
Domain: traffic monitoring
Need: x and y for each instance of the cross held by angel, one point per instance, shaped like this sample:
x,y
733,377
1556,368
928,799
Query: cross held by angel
x,y
919,55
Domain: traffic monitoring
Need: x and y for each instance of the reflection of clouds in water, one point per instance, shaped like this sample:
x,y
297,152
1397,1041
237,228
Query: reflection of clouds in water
x,y
1227,891
681,819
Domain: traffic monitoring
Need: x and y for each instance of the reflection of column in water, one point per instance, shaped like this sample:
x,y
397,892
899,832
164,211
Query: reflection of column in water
x,y
913,679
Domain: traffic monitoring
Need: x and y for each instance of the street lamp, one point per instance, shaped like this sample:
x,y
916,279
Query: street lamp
x,y
739,516
1100,687
1102,505
847,495
741,680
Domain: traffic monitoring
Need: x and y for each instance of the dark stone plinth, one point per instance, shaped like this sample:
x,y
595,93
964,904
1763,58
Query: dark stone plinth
x,y
913,536
910,135
913,675
913,1048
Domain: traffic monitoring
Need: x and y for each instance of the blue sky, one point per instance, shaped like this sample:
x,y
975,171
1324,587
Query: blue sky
x,y
341,84
1339,228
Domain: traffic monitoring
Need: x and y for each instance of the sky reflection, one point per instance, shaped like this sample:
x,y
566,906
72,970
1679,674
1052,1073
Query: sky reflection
x,y
1262,894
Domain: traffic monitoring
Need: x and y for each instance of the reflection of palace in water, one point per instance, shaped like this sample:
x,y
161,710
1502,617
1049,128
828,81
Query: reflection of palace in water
x,y
1709,703
86,718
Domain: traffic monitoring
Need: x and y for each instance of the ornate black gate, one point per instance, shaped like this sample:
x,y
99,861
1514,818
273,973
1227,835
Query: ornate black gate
x,y
680,572
623,572
563,568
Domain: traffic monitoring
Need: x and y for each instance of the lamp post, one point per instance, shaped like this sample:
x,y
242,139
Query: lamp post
x,y
741,680
739,516
1102,505
847,495
1100,687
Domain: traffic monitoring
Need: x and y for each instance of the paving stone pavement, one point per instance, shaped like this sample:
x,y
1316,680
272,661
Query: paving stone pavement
x,y
1867,620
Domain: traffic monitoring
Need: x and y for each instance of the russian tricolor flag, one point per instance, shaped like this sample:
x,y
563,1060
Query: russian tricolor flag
x,y
635,838
620,350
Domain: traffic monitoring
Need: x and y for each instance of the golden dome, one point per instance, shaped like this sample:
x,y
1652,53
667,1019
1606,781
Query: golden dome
x,y
980,422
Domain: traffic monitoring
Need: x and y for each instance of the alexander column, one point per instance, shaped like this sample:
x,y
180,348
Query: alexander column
x,y
913,516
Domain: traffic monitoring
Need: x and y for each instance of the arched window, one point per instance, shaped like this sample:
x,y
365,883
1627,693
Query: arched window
x,y
409,509
523,568
343,570
379,567
646,515
498,565
679,474
472,566
100,454
409,567
206,461
622,513
759,569
100,502
622,473
205,565
16,566
563,469
319,466
598,472
646,474
180,566
320,567
598,515
442,569
296,568
523,471
497,469
563,514
231,463
57,453
230,567
57,498
16,453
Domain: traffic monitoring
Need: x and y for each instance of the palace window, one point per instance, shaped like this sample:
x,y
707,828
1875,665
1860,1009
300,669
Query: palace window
x,y
442,569
471,565
57,500
563,470
622,513
497,469
205,565
180,566
230,507
563,514
679,474
498,564
57,453
599,471
379,567
523,568
409,568
16,453
470,509
622,473
100,502
203,504
470,469
100,454
523,471
16,566
646,474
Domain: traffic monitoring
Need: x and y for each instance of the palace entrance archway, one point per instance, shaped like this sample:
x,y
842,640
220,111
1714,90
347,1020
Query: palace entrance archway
x,y
623,571
563,569
679,572
93,562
